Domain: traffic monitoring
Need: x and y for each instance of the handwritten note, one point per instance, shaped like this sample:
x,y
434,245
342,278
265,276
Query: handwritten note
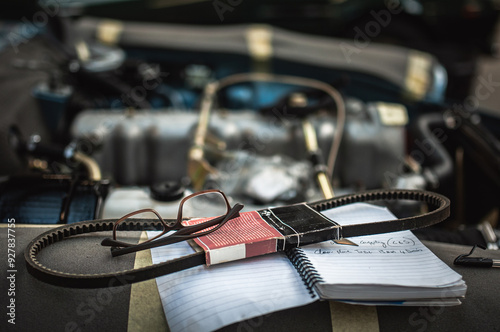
x,y
396,259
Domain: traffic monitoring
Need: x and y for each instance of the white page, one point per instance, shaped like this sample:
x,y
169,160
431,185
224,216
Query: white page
x,y
397,258
208,298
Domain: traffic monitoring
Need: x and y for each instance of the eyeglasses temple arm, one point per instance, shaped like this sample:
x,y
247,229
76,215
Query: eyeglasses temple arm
x,y
109,242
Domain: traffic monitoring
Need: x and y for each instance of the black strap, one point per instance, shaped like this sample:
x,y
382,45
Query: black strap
x,y
440,206
120,278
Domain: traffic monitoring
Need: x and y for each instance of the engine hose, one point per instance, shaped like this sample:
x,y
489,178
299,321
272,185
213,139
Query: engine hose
x,y
429,137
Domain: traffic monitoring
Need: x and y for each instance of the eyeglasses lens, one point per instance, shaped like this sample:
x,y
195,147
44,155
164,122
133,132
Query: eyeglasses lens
x,y
123,233
205,205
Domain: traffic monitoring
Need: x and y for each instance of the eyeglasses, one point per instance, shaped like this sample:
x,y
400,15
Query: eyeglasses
x,y
204,211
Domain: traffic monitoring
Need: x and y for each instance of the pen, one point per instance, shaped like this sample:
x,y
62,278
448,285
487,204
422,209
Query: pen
x,y
465,260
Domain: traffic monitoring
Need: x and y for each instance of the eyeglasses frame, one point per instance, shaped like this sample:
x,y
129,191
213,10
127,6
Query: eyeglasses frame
x,y
182,232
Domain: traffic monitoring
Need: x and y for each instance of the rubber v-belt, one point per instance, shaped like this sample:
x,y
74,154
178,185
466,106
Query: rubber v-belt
x,y
438,204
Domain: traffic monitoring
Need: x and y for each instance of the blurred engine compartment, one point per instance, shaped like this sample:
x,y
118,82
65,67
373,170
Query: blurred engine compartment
x,y
144,147
142,114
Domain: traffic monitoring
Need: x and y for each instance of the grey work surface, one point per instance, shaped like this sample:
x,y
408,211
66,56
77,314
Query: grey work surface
x,y
45,307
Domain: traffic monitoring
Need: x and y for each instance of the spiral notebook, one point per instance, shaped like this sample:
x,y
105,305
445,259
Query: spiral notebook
x,y
385,269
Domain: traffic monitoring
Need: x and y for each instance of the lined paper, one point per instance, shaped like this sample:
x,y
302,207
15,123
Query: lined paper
x,y
208,298
391,259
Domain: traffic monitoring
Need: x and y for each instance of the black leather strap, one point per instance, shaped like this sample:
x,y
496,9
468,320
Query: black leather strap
x,y
438,204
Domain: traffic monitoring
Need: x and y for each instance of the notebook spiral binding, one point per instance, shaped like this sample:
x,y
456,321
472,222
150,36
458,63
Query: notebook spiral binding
x,y
305,269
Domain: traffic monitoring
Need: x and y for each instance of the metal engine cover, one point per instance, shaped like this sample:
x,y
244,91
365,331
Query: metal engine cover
x,y
144,147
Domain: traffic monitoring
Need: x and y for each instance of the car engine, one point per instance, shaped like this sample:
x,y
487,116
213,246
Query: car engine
x,y
133,115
